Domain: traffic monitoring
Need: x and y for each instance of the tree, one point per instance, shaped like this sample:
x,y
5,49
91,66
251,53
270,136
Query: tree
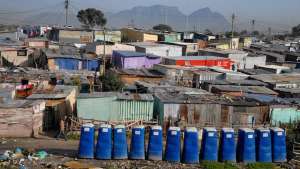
x,y
296,30
229,34
255,33
163,28
208,32
91,17
111,82
244,32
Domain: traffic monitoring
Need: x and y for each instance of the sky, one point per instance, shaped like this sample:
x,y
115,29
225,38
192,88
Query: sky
x,y
277,12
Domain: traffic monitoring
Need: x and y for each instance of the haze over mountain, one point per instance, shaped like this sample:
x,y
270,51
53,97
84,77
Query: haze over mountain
x,y
279,15
147,17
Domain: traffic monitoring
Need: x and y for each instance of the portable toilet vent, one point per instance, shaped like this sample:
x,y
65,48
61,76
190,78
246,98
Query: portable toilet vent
x,y
263,145
155,145
120,143
209,146
104,142
191,146
246,146
227,151
173,146
137,147
278,138
86,143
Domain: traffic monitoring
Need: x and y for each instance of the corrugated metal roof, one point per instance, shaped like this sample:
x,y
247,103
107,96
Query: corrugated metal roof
x,y
277,78
59,92
197,58
141,97
244,89
97,95
19,104
140,72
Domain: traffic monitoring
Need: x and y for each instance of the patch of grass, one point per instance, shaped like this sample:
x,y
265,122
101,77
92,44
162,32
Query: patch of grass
x,y
73,136
261,166
217,165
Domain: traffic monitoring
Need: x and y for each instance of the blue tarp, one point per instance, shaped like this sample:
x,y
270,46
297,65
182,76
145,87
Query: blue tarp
x,y
67,63
91,65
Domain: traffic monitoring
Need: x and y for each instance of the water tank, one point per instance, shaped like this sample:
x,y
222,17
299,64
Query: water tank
x,y
155,144
209,146
246,146
86,143
172,152
191,146
227,151
120,143
104,142
263,145
278,144
137,146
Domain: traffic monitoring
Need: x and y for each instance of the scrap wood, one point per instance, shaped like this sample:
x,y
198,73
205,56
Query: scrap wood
x,y
79,165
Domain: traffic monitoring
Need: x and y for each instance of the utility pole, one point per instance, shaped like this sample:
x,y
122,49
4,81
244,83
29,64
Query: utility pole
x,y
67,11
232,25
104,52
270,32
252,26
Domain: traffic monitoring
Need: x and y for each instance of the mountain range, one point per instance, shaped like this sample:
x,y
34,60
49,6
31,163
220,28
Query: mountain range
x,y
146,17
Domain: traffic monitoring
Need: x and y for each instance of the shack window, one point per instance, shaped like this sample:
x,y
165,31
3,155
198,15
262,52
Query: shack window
x,y
22,53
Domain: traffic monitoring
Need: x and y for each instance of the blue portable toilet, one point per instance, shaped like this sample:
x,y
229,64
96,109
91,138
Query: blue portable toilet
x,y
137,146
227,151
209,146
263,145
191,146
104,142
120,143
246,146
86,143
155,144
278,138
173,146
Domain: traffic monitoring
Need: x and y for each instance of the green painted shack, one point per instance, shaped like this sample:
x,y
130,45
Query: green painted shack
x,y
284,114
112,106
169,37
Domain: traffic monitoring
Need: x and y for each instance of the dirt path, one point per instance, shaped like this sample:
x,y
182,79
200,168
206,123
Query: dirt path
x,y
64,151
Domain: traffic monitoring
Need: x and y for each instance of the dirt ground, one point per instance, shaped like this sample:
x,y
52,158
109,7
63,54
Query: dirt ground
x,y
61,151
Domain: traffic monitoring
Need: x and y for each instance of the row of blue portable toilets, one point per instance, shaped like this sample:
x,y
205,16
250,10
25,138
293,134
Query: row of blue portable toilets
x,y
262,144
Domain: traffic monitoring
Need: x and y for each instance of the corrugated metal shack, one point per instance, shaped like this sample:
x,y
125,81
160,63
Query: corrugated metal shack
x,y
21,118
134,60
230,75
279,80
208,61
138,35
115,106
60,101
194,109
157,49
129,76
206,85
111,36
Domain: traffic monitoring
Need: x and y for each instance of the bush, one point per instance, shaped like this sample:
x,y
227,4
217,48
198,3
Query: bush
x,y
261,166
217,165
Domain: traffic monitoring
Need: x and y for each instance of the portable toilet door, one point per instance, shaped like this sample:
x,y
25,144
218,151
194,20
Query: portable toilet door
x,y
155,144
227,151
104,142
120,143
137,146
191,146
209,146
263,145
246,146
173,146
278,138
86,143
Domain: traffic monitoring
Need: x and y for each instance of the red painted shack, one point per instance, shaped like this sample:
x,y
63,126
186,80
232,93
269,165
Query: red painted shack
x,y
208,61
